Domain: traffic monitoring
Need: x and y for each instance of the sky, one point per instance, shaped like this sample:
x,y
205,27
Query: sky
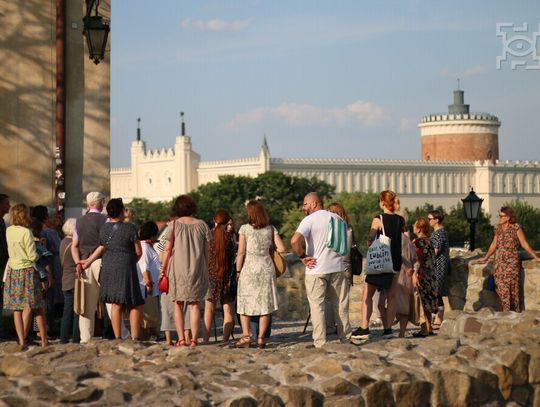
x,y
347,79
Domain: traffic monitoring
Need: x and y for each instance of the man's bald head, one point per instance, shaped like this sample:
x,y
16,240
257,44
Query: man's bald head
x,y
312,203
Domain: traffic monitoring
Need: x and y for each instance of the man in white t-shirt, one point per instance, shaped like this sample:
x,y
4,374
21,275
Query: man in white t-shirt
x,y
324,271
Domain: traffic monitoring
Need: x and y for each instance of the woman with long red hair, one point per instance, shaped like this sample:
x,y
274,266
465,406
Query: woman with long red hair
x,y
221,275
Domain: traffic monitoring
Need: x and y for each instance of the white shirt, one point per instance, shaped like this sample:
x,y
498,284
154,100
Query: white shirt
x,y
149,261
313,227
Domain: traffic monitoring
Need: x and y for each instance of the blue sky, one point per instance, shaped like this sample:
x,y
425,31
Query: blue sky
x,y
347,79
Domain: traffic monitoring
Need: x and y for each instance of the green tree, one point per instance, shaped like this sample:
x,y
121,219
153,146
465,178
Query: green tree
x,y
528,218
278,193
146,210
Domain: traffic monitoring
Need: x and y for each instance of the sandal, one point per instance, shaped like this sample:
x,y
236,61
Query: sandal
x,y
179,342
193,343
260,343
244,342
420,334
435,326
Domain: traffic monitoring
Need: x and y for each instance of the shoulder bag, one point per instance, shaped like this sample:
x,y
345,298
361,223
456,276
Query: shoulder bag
x,y
277,258
379,256
163,283
356,258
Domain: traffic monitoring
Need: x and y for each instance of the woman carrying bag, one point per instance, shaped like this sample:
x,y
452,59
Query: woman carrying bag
x,y
391,225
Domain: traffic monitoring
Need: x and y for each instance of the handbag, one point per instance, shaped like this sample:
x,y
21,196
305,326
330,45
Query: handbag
x,y
379,256
490,285
356,258
163,282
78,300
416,310
279,262
280,265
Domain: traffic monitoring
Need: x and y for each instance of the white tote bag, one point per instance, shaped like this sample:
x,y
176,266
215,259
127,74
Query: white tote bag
x,y
379,256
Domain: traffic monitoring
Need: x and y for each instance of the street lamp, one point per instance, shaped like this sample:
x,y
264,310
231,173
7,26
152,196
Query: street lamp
x,y
96,30
471,206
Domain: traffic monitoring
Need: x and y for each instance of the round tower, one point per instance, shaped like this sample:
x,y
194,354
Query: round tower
x,y
459,135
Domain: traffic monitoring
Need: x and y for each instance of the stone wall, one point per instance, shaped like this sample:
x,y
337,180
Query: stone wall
x,y
467,287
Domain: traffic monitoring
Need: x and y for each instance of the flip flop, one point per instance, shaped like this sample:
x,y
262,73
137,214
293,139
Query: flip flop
x,y
435,326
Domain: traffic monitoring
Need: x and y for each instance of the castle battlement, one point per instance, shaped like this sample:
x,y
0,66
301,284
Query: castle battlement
x,y
481,116
370,162
159,154
218,163
121,170
518,164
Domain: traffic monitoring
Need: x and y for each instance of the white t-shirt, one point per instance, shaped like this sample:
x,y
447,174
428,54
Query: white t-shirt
x,y
149,261
313,227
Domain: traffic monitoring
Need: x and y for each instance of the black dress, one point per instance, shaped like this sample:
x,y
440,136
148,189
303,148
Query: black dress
x,y
118,279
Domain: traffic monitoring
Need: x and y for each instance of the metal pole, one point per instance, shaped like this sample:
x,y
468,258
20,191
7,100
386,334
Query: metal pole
x,y
473,234
60,128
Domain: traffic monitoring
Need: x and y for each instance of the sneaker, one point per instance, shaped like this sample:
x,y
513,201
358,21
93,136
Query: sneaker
x,y
360,333
387,333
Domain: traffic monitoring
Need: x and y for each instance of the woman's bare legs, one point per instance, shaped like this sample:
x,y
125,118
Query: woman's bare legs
x,y
228,319
116,320
245,321
42,326
403,321
19,327
367,304
209,310
264,320
194,320
179,318
135,322
27,321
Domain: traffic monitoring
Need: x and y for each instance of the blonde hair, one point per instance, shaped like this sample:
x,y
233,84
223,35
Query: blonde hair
x,y
20,215
69,226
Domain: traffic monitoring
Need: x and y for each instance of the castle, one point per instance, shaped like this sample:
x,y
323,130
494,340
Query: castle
x,y
460,151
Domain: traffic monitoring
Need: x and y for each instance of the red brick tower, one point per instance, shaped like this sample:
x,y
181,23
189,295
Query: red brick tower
x,y
459,135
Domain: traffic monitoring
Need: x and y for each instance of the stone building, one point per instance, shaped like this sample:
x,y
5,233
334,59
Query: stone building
x,y
44,56
162,174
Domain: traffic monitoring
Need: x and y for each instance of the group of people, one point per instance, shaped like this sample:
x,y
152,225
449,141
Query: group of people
x,y
104,259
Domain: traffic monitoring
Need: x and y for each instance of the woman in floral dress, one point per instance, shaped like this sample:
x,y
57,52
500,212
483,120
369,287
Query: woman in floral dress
x,y
506,268
257,293
423,277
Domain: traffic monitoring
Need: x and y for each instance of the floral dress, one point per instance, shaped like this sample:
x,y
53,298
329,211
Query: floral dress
x,y
257,293
507,266
426,278
441,263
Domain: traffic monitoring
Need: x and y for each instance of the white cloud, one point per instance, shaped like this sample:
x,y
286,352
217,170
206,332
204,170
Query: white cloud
x,y
215,25
367,113
467,73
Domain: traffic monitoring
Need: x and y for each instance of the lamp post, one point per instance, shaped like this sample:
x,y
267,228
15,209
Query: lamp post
x,y
96,30
471,206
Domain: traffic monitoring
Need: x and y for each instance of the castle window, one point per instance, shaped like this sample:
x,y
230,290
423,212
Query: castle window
x,y
150,181
169,180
